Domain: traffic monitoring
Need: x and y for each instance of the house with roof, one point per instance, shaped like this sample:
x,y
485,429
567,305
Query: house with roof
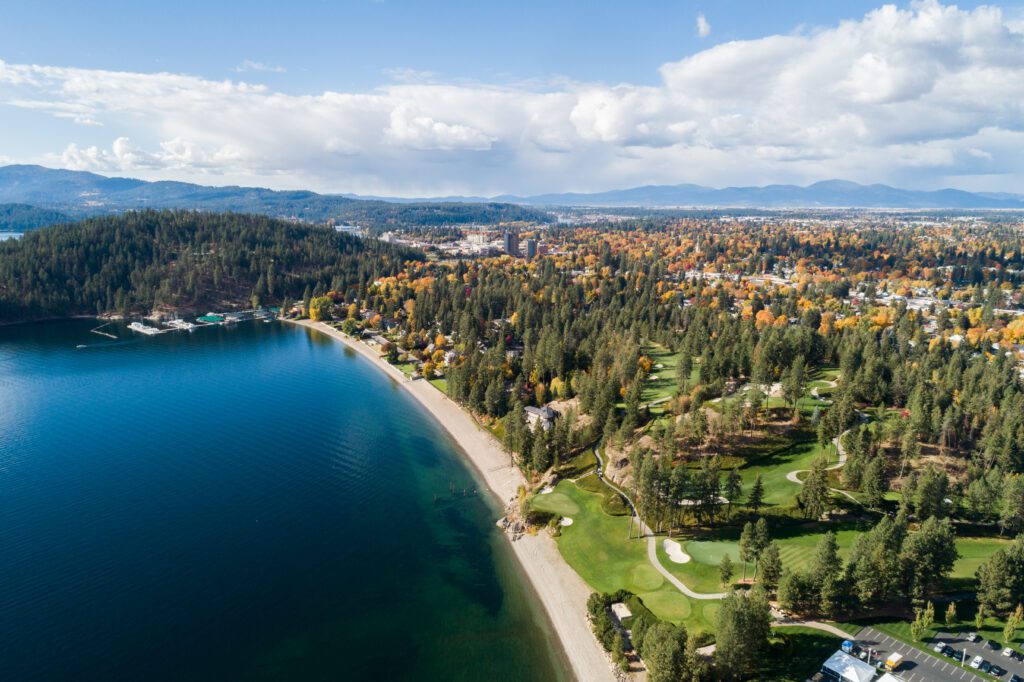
x,y
543,416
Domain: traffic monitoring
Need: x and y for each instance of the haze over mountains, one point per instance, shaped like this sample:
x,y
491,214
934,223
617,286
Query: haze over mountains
x,y
77,194
825,194
31,196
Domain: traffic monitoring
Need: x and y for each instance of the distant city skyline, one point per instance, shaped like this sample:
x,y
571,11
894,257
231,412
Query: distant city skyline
x,y
429,99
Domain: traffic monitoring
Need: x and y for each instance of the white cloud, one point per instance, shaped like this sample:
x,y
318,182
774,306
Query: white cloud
x,y
251,65
703,26
922,96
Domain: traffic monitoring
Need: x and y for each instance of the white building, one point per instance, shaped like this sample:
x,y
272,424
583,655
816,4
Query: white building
x,y
846,668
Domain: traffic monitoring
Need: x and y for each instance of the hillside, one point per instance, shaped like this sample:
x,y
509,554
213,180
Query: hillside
x,y
21,217
177,259
82,194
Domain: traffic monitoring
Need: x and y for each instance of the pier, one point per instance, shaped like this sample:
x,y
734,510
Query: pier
x,y
106,334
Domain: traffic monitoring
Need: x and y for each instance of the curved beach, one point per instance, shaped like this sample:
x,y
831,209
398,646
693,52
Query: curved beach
x,y
562,592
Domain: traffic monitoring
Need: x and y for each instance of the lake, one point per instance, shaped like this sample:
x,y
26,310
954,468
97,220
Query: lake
x,y
253,502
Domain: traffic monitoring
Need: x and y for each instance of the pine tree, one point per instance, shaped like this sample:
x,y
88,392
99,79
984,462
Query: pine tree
x,y
747,547
725,570
771,567
733,487
756,499
815,495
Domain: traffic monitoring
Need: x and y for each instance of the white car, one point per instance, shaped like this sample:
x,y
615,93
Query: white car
x,y
1007,651
939,646
976,662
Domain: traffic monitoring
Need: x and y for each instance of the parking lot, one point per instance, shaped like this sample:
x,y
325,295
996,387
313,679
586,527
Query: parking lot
x,y
980,648
919,666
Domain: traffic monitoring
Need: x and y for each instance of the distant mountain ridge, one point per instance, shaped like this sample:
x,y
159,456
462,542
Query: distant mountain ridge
x,y
79,194
824,194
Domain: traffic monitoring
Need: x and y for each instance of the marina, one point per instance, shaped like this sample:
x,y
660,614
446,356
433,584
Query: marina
x,y
207,320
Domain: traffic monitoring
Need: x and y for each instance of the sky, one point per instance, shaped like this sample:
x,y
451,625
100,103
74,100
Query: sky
x,y
407,98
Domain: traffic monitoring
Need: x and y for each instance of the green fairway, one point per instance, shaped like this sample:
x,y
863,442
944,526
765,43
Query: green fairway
x,y
774,467
596,547
701,572
797,544
974,551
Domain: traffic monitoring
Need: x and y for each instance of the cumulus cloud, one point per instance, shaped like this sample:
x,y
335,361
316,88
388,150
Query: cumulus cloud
x,y
923,96
703,26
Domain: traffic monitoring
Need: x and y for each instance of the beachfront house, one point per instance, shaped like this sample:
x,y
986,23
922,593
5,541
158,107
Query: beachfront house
x,y
543,416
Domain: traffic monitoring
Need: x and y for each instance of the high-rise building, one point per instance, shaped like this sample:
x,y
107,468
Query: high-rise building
x,y
531,249
512,243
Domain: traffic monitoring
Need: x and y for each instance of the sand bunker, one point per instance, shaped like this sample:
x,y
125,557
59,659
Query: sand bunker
x,y
675,551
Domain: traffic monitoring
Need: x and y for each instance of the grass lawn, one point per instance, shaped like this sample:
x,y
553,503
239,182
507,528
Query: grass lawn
x,y
440,384
701,572
797,544
796,653
597,548
407,368
973,553
579,465
611,502
774,467
796,547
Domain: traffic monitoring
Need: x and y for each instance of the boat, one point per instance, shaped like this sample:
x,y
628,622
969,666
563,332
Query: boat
x,y
181,324
143,329
81,345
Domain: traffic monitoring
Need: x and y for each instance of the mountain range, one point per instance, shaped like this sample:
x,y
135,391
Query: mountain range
x,y
825,194
78,194
33,195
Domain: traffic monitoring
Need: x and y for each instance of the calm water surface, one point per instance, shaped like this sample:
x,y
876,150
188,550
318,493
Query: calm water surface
x,y
247,503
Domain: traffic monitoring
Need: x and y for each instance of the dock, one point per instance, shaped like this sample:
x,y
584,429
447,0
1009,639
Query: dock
x,y
106,334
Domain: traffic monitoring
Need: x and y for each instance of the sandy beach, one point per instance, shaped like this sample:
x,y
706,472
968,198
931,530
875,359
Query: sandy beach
x,y
562,592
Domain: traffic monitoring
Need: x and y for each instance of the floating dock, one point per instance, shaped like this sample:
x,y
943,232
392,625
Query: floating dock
x,y
106,334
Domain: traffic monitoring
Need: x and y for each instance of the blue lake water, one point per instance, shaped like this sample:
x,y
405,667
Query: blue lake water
x,y
246,503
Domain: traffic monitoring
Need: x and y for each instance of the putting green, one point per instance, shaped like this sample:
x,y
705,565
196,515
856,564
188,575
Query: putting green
x,y
645,578
556,503
711,552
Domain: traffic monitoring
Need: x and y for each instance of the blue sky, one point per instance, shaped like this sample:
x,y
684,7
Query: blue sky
x,y
419,98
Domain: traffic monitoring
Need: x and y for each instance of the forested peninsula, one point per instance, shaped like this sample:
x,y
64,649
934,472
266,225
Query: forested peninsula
x,y
140,261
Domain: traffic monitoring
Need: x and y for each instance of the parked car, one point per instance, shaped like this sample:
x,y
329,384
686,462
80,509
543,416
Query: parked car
x,y
985,666
996,670
994,645
1016,678
939,646
972,637
950,652
976,662
1008,652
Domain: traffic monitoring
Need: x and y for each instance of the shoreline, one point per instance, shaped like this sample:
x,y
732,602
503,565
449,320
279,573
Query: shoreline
x,y
562,592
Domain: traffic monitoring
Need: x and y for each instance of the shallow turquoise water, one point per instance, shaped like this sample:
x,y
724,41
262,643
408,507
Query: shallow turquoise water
x,y
251,503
